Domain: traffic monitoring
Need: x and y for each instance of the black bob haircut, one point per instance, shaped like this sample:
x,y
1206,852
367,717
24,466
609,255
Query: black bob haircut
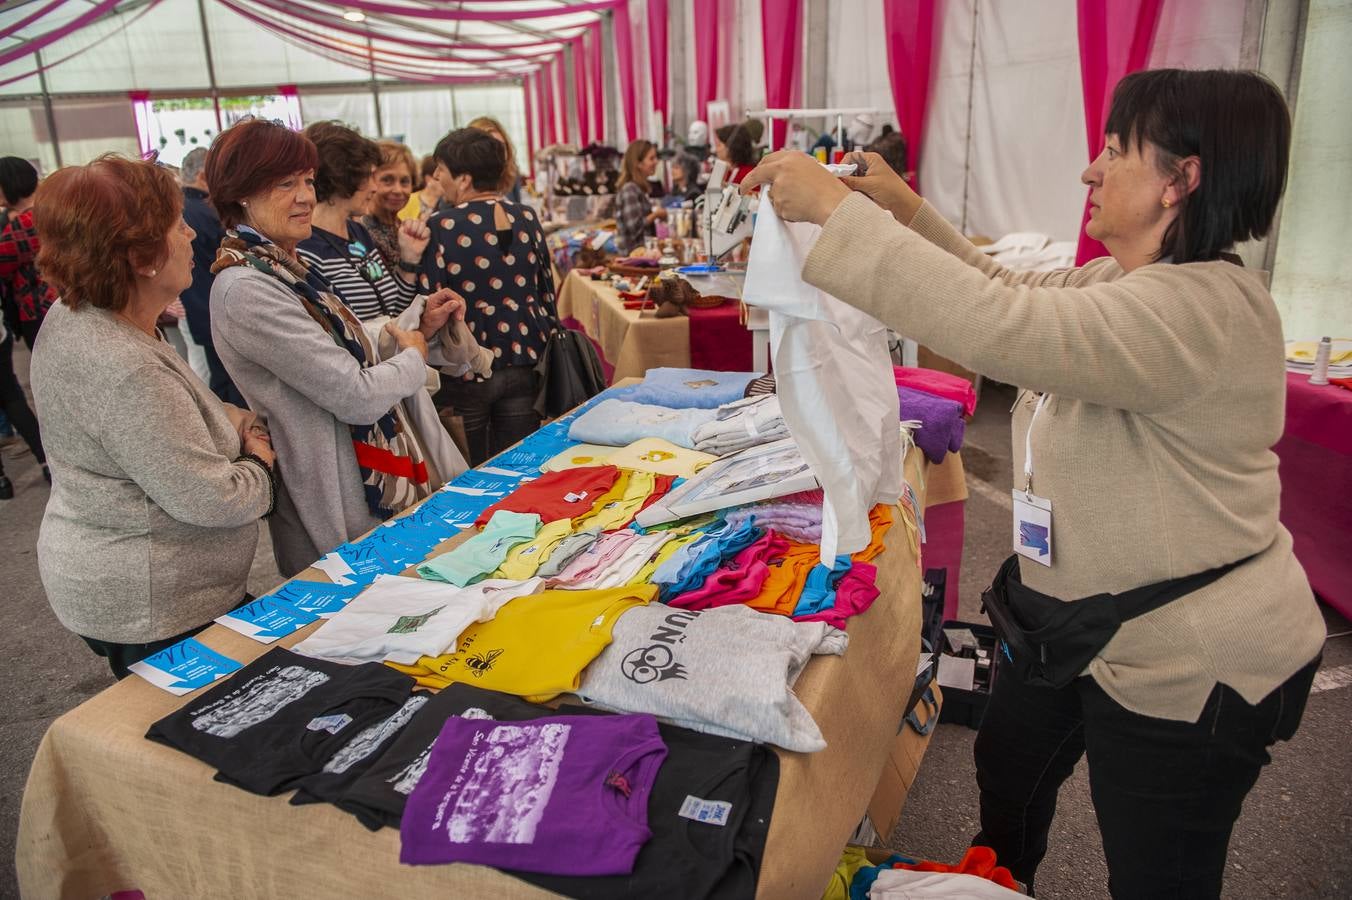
x,y
346,159
469,151
18,179
1237,124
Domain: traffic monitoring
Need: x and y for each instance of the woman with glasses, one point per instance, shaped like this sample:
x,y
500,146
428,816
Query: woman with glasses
x,y
342,248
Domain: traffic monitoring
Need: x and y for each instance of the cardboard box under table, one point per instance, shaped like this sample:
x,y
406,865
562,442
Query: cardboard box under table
x,y
107,810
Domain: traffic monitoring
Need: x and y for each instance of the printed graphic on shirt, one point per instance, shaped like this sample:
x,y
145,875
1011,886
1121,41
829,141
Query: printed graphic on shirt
x,y
658,661
479,663
504,784
407,778
704,383
410,624
258,700
367,742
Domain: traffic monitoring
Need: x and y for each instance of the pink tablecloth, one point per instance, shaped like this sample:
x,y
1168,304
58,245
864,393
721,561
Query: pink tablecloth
x,y
1315,456
719,341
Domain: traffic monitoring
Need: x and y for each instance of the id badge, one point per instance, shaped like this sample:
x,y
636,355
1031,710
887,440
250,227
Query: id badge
x,y
1033,527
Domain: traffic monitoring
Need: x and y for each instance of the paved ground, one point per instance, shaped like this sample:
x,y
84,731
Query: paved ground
x,y
1291,841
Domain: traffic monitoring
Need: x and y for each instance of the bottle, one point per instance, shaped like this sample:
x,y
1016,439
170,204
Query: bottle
x,y
1321,362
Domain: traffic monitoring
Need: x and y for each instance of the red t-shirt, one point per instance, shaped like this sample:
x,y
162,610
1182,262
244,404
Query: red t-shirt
x,y
557,495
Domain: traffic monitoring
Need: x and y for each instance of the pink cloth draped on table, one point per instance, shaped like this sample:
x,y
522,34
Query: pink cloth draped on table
x,y
624,61
584,120
782,33
909,26
1115,39
657,58
719,341
1315,464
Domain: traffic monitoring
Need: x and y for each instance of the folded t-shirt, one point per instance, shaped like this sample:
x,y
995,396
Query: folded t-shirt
x,y
483,553
566,494
619,423
688,388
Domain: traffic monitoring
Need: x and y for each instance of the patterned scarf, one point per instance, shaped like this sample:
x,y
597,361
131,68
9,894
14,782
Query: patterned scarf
x,y
391,458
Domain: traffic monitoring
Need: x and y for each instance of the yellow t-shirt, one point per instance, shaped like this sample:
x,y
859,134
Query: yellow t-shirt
x,y
535,647
660,457
617,506
523,559
412,209
687,534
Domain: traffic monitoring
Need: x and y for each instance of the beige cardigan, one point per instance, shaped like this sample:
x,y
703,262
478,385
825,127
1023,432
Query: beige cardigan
x,y
1167,392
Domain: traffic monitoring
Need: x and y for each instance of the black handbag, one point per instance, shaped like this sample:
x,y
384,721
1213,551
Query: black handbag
x,y
1048,642
570,372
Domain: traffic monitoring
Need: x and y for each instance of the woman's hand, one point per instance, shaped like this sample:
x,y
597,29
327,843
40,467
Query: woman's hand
x,y
405,339
413,238
438,309
260,445
883,186
801,189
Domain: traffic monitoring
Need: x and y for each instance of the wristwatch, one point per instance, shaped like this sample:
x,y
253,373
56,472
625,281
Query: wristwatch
x,y
407,266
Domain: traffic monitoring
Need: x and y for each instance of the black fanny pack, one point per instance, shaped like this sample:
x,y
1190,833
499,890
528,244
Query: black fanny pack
x,y
1048,642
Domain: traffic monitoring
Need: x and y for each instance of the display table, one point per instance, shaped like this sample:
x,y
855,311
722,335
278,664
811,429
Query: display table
x,y
107,810
633,341
1315,455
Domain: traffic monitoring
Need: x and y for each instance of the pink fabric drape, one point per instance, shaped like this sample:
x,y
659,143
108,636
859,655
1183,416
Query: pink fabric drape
x,y
705,18
584,120
657,58
527,94
545,84
1115,39
560,106
782,33
624,62
29,47
910,36
598,84
440,11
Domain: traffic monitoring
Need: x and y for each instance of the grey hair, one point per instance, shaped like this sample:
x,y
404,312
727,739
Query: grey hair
x,y
193,164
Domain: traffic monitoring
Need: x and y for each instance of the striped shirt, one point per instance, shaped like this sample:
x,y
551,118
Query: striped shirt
x,y
357,271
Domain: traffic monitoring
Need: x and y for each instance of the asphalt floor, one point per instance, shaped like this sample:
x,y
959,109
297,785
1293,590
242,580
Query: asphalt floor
x,y
1291,841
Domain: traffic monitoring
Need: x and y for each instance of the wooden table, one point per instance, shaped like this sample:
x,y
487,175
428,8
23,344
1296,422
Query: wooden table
x,y
106,810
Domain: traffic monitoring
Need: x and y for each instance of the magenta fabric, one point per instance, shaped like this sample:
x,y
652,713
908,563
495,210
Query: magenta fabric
x,y
1315,463
124,23
445,11
705,20
855,593
528,95
624,61
30,18
560,104
584,120
598,83
29,47
657,58
782,37
738,579
941,384
549,131
718,339
1115,39
909,26
944,528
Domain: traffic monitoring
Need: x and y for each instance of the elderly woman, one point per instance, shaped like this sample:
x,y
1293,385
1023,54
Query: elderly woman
x,y
1154,388
494,252
153,518
356,434
394,179
341,248
634,212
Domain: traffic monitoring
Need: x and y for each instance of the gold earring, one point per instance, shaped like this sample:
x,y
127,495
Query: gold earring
x,y
1165,203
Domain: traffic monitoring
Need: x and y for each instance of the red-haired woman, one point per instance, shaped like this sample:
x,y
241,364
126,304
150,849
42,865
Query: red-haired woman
x,y
357,435
153,518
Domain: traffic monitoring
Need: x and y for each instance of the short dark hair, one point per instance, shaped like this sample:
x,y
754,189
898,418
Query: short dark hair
x,y
740,143
251,156
18,179
346,159
892,148
1237,124
469,151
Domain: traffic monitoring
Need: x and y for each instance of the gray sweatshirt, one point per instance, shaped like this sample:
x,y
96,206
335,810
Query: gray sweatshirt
x,y
152,522
309,390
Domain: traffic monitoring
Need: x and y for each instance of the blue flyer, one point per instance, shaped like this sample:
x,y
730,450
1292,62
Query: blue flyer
x,y
477,483
319,597
267,619
184,667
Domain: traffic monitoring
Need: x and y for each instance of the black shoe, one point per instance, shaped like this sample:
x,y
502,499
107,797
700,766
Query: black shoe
x,y
6,488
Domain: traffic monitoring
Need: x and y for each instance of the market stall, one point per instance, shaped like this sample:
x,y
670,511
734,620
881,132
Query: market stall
x,y
632,341
192,835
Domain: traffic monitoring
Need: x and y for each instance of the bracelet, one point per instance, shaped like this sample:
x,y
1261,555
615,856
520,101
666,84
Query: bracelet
x,y
272,479
407,267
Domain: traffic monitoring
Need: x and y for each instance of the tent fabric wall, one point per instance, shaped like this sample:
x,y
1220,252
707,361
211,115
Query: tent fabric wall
x,y
357,109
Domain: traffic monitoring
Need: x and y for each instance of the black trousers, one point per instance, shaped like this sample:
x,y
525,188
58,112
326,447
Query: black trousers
x,y
1166,793
121,656
497,413
16,404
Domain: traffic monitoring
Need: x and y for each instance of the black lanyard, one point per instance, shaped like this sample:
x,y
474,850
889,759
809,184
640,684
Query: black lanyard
x,y
361,265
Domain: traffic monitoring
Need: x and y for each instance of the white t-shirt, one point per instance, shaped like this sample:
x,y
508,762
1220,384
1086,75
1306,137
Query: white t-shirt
x,y
401,619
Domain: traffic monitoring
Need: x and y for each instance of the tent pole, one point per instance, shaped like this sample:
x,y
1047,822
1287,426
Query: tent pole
x,y
211,64
47,108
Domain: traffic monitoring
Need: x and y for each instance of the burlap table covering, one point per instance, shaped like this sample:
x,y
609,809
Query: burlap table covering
x,y
631,341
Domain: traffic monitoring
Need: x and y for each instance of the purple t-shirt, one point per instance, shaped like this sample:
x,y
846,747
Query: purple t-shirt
x,y
563,795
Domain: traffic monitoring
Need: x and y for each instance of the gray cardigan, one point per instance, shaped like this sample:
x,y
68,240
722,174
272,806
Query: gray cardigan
x,y
152,522
309,389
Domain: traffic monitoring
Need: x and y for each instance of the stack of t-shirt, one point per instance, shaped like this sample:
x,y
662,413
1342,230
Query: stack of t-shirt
x,y
285,719
482,554
708,809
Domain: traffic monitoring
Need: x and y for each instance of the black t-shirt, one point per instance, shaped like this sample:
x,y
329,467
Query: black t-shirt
x,y
282,718
683,859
